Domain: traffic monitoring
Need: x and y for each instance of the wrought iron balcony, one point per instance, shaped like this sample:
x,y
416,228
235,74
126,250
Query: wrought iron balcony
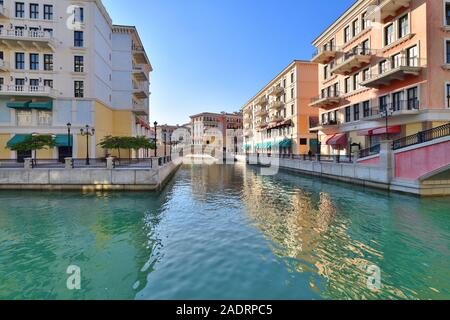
x,y
384,9
276,118
261,111
140,109
139,73
397,108
326,100
27,91
248,111
25,39
276,91
325,54
139,54
393,70
263,101
141,90
352,60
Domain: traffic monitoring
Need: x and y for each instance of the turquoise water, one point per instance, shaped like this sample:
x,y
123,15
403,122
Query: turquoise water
x,y
225,232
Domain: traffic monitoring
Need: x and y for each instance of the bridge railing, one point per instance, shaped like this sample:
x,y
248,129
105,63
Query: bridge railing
x,y
421,137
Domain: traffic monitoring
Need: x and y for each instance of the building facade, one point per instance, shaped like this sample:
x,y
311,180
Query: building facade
x,y
384,73
65,62
207,128
279,116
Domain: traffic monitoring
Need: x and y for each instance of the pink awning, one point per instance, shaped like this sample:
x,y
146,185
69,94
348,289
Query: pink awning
x,y
338,140
380,131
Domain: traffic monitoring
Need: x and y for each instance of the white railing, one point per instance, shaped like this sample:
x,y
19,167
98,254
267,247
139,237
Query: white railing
x,y
26,34
23,89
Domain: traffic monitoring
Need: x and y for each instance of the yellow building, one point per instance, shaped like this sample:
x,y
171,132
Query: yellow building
x,y
92,73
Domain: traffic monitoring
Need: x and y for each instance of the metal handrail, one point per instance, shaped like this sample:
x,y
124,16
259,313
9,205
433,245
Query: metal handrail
x,y
421,137
371,151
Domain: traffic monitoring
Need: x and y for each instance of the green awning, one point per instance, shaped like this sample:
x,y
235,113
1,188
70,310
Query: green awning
x,y
62,140
47,105
18,138
18,104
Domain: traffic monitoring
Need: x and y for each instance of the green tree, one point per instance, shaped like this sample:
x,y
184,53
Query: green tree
x,y
126,143
34,143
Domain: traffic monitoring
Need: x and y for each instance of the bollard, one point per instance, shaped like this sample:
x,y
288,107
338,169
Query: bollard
x,y
27,164
69,163
110,163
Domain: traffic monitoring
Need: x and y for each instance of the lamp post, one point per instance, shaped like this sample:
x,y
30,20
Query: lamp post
x,y
33,161
69,140
386,112
164,131
156,137
87,132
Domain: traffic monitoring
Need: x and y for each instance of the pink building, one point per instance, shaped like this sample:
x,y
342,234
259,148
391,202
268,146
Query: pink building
x,y
384,73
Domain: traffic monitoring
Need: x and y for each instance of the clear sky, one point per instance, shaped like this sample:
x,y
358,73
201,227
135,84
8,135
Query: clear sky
x,y
214,55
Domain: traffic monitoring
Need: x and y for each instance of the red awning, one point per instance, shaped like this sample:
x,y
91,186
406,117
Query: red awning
x,y
365,133
394,129
338,140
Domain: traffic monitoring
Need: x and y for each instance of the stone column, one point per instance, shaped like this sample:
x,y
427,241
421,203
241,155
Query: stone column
x,y
69,164
110,163
387,159
155,163
27,164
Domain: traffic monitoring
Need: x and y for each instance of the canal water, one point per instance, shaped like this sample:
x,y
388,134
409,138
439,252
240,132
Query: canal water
x,y
225,232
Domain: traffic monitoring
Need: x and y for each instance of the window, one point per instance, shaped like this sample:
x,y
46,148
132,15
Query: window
x,y
336,90
79,15
303,142
48,83
34,84
20,60
365,47
78,39
292,77
447,59
34,61
366,74
366,109
34,11
292,110
48,62
384,101
397,100
79,64
383,66
412,54
396,61
448,95
346,34
403,26
347,85
356,112
44,118
284,83
79,89
355,28
48,32
364,22
20,10
24,117
325,72
447,13
412,98
292,93
348,114
389,34
48,12
356,81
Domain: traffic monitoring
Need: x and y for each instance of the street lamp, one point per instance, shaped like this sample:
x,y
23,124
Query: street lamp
x,y
386,112
156,137
165,142
69,140
87,132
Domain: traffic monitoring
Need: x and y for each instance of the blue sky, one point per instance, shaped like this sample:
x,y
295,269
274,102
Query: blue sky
x,y
214,55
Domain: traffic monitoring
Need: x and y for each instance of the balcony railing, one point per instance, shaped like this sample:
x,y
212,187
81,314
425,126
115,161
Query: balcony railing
x,y
27,37
263,101
140,109
139,72
352,60
248,111
422,137
261,111
141,90
139,54
276,105
326,99
276,91
410,106
393,70
325,54
387,8
276,118
20,90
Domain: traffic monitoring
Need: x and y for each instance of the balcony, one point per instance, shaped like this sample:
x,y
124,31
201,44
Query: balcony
x,y
275,118
260,124
261,112
398,108
248,111
276,105
387,8
139,54
327,100
3,12
351,61
248,132
3,65
141,90
324,55
140,109
27,91
263,101
27,39
393,71
139,73
248,120
327,126
276,91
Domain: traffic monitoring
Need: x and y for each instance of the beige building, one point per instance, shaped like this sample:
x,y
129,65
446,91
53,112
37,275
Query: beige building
x,y
279,115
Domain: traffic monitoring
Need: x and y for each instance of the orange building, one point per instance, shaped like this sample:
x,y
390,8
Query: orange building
x,y
384,73
278,116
